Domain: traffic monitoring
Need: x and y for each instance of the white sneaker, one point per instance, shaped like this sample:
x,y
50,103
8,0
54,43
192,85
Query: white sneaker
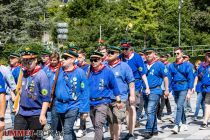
x,y
60,137
80,133
183,127
77,123
49,137
175,130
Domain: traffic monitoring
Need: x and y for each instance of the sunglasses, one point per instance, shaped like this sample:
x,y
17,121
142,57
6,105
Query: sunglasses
x,y
27,61
124,49
66,57
94,60
177,53
148,53
111,52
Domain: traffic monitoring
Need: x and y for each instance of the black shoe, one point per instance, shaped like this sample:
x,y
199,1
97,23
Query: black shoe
x,y
203,126
147,135
129,137
155,133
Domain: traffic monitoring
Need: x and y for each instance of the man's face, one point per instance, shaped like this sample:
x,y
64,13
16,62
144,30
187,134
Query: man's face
x,y
30,63
186,58
178,54
207,55
95,61
104,52
53,62
163,59
45,58
150,56
126,50
13,61
81,58
112,55
67,61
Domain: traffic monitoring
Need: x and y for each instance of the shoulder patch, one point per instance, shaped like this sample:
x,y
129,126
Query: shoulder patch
x,y
44,92
82,85
165,70
140,68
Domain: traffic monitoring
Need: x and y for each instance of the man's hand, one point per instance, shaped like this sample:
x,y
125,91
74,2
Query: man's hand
x,y
13,96
132,100
166,93
119,105
147,91
189,93
42,119
84,116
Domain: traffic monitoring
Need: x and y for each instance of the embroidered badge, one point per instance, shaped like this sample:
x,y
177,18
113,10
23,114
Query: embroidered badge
x,y
152,72
117,73
165,70
44,92
82,85
101,84
140,68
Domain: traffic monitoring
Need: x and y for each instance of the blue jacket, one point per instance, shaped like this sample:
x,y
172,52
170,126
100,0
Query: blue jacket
x,y
182,80
35,91
2,84
102,85
199,84
155,76
137,65
204,77
124,77
72,91
51,76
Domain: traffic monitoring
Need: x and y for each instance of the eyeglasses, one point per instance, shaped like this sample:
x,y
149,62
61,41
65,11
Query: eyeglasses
x,y
111,52
124,49
27,61
177,53
66,57
94,60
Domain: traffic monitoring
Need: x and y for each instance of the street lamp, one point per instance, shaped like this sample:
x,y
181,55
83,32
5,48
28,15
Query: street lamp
x,y
180,7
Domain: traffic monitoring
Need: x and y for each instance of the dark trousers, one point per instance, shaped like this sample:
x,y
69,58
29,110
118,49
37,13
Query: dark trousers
x,y
163,102
82,124
27,123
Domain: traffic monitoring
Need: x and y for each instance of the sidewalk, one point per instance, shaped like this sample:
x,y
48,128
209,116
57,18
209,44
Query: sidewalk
x,y
164,129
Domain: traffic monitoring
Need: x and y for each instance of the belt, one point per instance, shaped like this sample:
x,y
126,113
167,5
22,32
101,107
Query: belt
x,y
205,86
98,99
154,87
63,101
181,82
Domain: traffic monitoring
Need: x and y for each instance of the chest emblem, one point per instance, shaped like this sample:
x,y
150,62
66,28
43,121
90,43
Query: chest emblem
x,y
101,84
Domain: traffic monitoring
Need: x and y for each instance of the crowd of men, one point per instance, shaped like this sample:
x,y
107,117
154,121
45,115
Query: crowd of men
x,y
114,88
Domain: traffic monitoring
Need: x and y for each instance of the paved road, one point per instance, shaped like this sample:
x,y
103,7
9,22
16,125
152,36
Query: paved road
x,y
164,128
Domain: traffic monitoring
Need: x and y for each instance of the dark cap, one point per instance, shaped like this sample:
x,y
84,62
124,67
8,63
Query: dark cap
x,y
45,52
125,45
148,50
15,55
96,54
114,48
72,46
70,54
28,54
207,51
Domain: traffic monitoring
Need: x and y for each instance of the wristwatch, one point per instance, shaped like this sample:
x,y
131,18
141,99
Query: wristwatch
x,y
118,101
2,119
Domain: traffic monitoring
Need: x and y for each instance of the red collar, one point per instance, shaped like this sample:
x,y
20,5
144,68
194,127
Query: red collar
x,y
36,69
53,69
115,62
99,69
180,61
166,63
16,65
47,63
128,56
75,66
152,62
